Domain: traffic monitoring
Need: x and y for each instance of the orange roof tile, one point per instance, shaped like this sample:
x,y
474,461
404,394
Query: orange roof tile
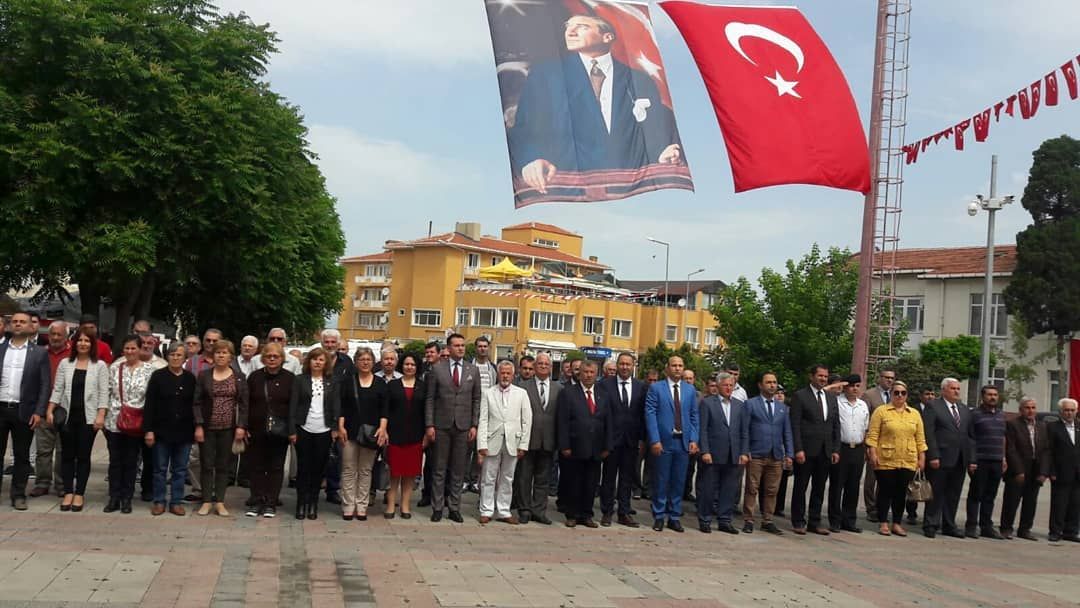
x,y
384,256
945,261
494,245
540,226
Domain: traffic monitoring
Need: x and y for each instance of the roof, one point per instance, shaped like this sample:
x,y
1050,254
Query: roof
x,y
384,256
540,226
946,262
676,287
493,245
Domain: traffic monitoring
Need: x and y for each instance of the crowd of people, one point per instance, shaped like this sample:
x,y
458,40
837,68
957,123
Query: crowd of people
x,y
349,423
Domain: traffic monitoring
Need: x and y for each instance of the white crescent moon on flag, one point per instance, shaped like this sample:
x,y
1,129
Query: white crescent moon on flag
x,y
736,31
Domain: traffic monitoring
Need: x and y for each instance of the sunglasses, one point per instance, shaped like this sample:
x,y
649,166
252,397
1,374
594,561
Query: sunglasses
x,y
899,393
276,339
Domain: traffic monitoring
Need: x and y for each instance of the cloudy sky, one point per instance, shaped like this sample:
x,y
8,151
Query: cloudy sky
x,y
403,107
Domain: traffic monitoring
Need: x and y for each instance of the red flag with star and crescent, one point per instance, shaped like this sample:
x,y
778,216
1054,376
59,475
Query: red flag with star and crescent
x,y
784,107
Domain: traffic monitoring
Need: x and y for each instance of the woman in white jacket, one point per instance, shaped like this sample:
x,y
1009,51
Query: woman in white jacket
x,y
82,389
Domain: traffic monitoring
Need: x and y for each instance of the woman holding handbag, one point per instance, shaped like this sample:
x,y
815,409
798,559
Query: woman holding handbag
x,y
270,389
128,378
221,412
82,390
169,422
897,448
405,426
314,410
362,431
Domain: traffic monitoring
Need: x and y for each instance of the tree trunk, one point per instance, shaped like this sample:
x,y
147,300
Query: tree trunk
x,y
125,301
146,296
89,297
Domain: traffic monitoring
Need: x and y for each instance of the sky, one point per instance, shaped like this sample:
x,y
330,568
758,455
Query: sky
x,y
403,108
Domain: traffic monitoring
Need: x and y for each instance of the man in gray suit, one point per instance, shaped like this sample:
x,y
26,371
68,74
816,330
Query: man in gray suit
x,y
950,440
452,414
25,384
725,450
533,479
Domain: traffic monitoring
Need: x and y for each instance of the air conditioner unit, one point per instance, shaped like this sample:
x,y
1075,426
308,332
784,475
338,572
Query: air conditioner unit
x,y
598,339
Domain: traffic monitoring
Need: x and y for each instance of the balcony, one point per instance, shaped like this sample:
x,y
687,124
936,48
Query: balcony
x,y
373,304
363,279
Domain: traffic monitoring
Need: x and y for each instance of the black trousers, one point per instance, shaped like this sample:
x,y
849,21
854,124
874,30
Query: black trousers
x,y
265,456
892,493
76,443
947,484
844,478
617,480
579,479
816,471
1065,507
1024,493
691,468
982,493
531,482
214,453
21,436
123,464
146,477
312,454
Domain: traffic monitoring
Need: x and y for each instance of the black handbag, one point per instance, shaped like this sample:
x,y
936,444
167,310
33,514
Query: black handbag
x,y
59,416
366,436
275,426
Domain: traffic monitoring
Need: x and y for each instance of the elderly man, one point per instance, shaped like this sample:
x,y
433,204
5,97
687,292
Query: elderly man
x,y
534,478
148,344
610,369
950,456
725,450
586,435
292,362
502,439
341,367
46,468
1025,444
1061,465
388,365
249,359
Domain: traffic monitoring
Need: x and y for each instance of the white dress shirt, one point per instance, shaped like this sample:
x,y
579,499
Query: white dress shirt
x,y
854,420
607,66
11,375
1071,429
629,385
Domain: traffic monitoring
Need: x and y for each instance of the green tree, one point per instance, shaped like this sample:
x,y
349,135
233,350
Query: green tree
x,y
1045,287
959,357
656,357
414,348
146,159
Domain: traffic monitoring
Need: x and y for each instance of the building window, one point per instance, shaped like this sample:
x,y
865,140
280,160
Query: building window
x,y
909,310
692,335
377,270
483,317
710,337
462,317
621,329
375,294
708,300
551,321
592,326
426,318
472,262
508,317
1055,388
999,318
671,334
369,320
546,243
495,260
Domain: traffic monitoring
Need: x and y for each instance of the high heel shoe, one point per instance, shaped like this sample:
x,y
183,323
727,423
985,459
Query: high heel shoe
x,y
75,508
65,504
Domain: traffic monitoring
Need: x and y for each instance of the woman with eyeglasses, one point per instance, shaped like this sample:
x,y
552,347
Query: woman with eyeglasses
x,y
897,448
362,431
314,410
270,389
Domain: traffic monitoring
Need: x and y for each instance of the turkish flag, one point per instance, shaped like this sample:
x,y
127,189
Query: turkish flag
x,y
1051,89
982,125
1069,71
1029,102
783,104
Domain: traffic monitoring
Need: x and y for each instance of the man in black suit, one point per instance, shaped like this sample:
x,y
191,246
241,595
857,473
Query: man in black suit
x,y
431,357
24,393
950,441
815,430
1061,463
1025,442
628,413
533,477
586,434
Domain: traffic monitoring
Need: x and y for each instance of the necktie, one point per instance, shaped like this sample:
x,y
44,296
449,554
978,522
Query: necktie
x,y
726,405
596,77
678,408
824,406
955,415
625,396
592,404
457,374
543,395
768,408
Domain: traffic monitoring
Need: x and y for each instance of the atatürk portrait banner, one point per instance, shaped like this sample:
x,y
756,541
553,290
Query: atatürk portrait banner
x,y
585,100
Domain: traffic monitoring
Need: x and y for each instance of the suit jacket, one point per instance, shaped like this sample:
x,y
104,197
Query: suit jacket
x,y
504,424
449,406
586,435
36,380
811,432
629,421
300,402
543,436
559,120
769,436
1061,456
946,441
660,414
724,439
873,398
1019,455
95,391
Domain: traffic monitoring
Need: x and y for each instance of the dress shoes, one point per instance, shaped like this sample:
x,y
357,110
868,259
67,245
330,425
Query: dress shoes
x,y
424,502
605,520
628,521
820,531
18,503
1054,538
112,505
748,527
177,510
157,509
570,522
800,531
361,517
65,507
436,515
524,517
38,492
512,520
1006,533
588,522
954,534
658,525
705,527
1026,535
855,529
835,529
676,525
971,533
728,528
541,519
406,515
455,516
125,505
771,528
929,532
991,533
484,519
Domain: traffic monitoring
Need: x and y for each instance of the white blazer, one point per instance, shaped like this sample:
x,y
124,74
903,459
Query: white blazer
x,y
506,425
96,394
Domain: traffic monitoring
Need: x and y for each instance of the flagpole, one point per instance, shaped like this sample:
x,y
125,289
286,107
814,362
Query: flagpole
x,y
861,348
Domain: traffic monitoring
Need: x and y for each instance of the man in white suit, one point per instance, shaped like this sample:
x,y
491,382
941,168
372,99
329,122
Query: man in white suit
x,y
501,440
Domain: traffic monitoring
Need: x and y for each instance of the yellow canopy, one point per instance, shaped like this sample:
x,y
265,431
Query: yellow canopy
x,y
504,270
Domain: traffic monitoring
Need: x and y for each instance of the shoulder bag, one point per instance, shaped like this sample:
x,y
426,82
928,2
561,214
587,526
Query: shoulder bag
x,y
130,420
276,426
919,489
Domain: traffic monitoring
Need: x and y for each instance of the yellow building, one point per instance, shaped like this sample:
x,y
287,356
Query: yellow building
x,y
422,289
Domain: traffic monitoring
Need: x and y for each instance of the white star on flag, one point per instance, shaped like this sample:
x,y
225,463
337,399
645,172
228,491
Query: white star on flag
x,y
650,68
784,87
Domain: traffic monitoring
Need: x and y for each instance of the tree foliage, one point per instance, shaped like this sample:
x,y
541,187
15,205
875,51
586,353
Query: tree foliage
x,y
656,357
144,159
959,357
1020,365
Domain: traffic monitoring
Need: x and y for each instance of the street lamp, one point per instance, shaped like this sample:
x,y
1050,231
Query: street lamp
x,y
992,205
686,308
667,265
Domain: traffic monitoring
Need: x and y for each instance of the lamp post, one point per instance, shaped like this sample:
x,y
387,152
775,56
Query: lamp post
x,y
686,309
667,266
991,205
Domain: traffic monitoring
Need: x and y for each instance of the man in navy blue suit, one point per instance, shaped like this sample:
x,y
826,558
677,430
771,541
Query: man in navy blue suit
x,y
628,400
586,112
771,450
725,449
672,425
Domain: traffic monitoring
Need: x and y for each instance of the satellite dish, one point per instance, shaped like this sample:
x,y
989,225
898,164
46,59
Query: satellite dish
x,y
385,291
384,318
682,302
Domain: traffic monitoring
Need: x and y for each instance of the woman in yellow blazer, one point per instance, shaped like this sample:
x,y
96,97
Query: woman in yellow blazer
x,y
897,446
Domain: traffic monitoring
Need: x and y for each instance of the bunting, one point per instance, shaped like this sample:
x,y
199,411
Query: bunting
x,y
1026,100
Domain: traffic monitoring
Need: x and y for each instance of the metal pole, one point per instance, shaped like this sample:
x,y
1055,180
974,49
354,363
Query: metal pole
x,y
861,348
667,265
988,292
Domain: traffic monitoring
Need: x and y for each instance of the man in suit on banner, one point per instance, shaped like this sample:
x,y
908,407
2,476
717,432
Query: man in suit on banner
x,y
587,111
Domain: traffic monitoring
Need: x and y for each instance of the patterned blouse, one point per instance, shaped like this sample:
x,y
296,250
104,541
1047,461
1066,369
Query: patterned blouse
x,y
135,381
223,410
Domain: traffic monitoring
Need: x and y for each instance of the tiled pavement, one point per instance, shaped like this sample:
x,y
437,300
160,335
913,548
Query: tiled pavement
x,y
49,558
